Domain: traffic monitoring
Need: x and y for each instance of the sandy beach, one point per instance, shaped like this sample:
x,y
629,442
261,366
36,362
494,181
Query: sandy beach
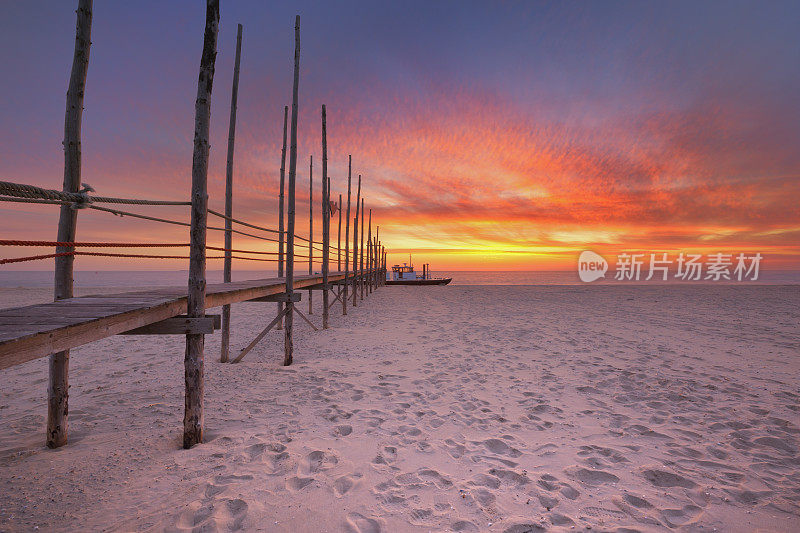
x,y
493,408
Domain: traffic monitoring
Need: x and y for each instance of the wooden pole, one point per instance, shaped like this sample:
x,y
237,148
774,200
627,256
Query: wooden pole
x,y
310,229
226,269
347,237
196,302
288,345
355,244
379,264
339,238
326,219
58,384
377,260
369,256
361,254
281,234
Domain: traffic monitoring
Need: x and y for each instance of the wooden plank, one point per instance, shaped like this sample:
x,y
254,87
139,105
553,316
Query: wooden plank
x,y
31,320
280,297
26,348
179,325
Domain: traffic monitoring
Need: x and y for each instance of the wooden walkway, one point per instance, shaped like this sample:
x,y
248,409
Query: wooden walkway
x,y
35,331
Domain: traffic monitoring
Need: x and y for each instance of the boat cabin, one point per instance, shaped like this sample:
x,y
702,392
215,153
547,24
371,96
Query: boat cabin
x,y
404,271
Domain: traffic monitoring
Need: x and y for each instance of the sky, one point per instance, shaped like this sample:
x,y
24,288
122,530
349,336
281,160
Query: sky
x,y
489,135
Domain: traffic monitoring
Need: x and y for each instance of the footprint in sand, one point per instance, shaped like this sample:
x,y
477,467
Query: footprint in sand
x,y
317,461
296,483
231,478
226,515
591,477
680,517
639,503
501,448
464,526
602,512
387,456
510,477
561,520
358,523
344,484
342,431
525,528
661,478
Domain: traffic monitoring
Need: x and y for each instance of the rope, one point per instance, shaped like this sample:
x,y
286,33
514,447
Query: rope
x,y
21,190
33,258
91,244
103,254
176,222
218,249
31,200
4,242
212,212
136,215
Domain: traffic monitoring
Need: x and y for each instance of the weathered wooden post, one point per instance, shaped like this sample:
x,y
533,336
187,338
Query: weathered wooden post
x,y
226,269
339,238
355,244
288,345
58,385
347,237
376,277
361,253
196,302
368,274
281,233
310,229
326,219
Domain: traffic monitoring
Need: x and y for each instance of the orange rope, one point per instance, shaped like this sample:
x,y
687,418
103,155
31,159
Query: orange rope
x,y
103,254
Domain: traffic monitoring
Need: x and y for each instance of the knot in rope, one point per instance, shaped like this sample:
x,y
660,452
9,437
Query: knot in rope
x,y
85,199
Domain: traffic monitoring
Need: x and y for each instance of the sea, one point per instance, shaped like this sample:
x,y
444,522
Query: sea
x,y
167,278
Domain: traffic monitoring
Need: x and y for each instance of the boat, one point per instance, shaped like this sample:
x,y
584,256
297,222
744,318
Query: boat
x,y
405,275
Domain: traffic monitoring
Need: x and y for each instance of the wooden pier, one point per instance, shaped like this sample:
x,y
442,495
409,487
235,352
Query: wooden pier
x,y
52,329
36,331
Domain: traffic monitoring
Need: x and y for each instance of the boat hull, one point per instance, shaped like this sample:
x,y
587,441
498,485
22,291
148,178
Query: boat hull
x,y
441,281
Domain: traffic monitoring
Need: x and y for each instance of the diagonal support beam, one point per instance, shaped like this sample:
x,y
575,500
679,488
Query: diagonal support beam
x,y
261,335
304,317
336,297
